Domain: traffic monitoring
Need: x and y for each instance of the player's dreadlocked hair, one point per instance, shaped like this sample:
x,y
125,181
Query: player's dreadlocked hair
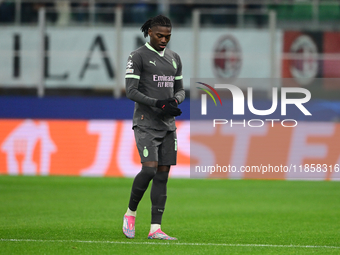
x,y
159,20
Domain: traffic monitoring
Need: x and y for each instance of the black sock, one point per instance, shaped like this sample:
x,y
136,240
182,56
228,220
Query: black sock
x,y
140,184
158,196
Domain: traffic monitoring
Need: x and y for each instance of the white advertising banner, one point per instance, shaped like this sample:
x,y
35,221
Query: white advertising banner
x,y
87,57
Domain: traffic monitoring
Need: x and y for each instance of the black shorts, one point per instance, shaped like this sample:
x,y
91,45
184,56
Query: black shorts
x,y
156,145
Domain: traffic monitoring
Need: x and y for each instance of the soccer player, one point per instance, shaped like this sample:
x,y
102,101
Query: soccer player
x,y
154,81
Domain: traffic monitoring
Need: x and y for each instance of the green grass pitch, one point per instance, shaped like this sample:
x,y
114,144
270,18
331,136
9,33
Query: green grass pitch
x,y
75,215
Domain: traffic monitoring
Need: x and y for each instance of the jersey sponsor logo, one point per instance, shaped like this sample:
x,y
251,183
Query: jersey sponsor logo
x,y
129,64
164,81
163,77
129,70
154,62
227,59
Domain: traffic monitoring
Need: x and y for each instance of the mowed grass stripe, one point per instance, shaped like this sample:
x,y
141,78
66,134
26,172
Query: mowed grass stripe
x,y
174,243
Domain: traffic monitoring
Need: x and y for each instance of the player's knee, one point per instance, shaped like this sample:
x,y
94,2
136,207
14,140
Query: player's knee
x,y
161,177
150,164
149,171
163,169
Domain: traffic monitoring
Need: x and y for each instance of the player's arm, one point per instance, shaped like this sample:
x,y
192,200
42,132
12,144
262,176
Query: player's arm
x,y
134,94
179,92
132,76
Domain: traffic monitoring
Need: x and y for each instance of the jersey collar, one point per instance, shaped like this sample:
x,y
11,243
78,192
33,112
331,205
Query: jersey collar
x,y
152,49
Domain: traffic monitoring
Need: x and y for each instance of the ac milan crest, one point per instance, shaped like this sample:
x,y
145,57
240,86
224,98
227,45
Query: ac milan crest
x,y
227,59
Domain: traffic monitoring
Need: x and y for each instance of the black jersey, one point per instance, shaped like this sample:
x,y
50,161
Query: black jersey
x,y
152,76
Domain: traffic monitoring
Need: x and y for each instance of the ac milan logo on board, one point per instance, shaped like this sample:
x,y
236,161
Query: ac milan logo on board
x,y
227,59
304,64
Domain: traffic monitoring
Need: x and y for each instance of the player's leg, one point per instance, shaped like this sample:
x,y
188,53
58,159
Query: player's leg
x,y
167,156
148,151
141,183
158,196
139,186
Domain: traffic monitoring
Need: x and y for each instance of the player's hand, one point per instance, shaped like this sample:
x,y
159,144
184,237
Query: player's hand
x,y
173,101
168,108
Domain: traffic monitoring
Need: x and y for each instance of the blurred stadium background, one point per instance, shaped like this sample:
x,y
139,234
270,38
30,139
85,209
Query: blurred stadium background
x,y
63,108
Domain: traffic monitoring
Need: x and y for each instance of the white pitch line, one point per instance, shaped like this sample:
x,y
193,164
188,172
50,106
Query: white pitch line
x,y
175,243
